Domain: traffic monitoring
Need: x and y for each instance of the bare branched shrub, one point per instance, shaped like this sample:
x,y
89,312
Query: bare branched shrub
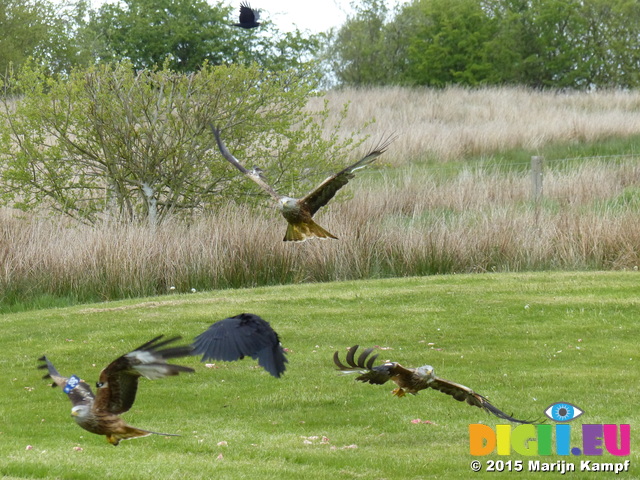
x,y
110,142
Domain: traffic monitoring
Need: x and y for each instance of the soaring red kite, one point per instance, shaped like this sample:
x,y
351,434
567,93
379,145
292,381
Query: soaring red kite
x,y
117,388
412,380
298,211
243,335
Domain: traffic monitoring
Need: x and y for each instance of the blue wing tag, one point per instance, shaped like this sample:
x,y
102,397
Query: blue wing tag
x,y
71,384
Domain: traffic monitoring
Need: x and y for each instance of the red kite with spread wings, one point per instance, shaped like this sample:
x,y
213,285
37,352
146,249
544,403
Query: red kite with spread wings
x,y
117,388
412,380
299,211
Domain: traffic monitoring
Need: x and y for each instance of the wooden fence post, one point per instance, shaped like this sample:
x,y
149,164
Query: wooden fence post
x,y
536,178
536,183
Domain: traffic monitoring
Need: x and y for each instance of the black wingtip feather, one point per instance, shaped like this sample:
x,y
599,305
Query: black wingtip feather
x,y
47,365
155,345
352,364
363,356
350,354
499,413
369,364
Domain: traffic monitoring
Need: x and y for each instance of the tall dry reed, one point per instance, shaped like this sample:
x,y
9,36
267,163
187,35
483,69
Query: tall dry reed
x,y
395,225
454,122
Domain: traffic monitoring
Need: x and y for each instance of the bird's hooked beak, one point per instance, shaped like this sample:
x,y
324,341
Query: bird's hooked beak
x,y
426,371
287,203
77,411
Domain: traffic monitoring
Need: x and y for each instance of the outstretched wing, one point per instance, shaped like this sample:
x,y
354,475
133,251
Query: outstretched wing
x,y
243,335
248,16
78,391
465,394
368,373
118,382
253,175
324,192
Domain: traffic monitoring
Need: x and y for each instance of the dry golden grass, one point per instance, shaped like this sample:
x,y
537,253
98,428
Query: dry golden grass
x,y
396,222
454,122
407,224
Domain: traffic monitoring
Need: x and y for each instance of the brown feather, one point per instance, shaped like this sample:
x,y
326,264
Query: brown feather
x,y
117,388
324,192
234,161
80,395
301,231
118,382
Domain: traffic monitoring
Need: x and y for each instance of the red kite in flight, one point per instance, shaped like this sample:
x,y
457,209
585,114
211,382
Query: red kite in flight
x,y
100,413
299,211
412,380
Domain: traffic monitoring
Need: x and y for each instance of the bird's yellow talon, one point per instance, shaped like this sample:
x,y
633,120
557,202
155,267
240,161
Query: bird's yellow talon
x,y
399,392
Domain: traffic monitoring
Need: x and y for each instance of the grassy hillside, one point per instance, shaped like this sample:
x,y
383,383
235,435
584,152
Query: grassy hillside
x,y
523,340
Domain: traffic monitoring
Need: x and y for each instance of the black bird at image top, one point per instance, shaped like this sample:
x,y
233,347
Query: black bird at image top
x,y
243,335
248,17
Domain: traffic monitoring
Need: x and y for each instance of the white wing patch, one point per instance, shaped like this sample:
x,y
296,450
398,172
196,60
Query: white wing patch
x,y
147,364
154,371
142,357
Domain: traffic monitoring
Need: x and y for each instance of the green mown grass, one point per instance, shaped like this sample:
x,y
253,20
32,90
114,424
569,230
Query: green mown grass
x,y
523,340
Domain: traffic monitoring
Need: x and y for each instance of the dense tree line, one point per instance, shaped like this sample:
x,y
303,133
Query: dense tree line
x,y
181,34
578,44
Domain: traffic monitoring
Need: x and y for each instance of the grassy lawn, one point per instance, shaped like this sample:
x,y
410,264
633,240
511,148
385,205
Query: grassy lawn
x,y
523,340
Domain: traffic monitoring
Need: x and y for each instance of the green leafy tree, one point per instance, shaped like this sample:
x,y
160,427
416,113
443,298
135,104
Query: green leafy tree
x,y
110,141
577,44
447,45
366,50
40,30
149,32
183,34
611,43
539,43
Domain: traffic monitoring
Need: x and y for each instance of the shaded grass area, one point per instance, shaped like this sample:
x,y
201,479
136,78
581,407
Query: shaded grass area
x,y
523,340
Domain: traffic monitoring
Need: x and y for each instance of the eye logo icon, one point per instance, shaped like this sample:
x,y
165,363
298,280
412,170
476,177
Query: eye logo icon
x,y
562,412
